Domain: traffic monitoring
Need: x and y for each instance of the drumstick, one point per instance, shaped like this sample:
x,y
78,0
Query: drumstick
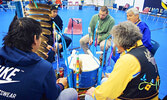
x,y
89,31
56,45
96,37
81,95
109,60
90,53
100,69
114,50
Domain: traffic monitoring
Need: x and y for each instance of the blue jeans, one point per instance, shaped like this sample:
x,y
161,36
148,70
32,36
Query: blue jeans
x,y
88,97
68,94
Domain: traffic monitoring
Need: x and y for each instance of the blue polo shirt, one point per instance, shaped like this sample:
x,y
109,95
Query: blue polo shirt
x,y
144,29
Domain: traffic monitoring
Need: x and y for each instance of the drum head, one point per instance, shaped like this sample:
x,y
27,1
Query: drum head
x,y
89,63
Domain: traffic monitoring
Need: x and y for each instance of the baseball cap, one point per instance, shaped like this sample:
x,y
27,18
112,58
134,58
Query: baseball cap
x,y
54,7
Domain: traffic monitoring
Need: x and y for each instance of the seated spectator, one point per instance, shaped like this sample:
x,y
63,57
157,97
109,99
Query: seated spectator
x,y
100,27
55,18
133,16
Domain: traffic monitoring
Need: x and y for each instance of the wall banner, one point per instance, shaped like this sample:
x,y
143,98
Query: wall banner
x,y
153,4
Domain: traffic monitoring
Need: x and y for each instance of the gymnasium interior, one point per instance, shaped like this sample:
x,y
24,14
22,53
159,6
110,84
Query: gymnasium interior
x,y
85,9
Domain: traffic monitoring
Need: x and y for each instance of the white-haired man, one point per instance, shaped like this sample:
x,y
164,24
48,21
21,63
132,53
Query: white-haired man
x,y
133,16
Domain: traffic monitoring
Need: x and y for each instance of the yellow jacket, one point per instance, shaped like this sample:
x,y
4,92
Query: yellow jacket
x,y
125,67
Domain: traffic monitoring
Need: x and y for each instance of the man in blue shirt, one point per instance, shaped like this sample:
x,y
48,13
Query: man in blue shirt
x,y
133,16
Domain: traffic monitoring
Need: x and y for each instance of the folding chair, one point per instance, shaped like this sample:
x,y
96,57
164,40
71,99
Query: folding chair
x,y
155,45
11,5
74,27
70,3
137,8
64,4
115,7
76,3
146,10
126,7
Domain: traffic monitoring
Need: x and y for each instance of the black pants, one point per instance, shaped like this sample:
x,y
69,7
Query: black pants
x,y
51,53
67,40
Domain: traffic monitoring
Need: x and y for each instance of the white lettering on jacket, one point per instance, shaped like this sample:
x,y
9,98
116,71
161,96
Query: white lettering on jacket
x,y
6,73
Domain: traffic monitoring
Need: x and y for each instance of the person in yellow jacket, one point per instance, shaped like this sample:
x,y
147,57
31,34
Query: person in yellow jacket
x,y
135,75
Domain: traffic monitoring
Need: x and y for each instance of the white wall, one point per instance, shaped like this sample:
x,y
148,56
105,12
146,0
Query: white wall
x,y
123,2
73,1
137,3
89,2
94,2
101,2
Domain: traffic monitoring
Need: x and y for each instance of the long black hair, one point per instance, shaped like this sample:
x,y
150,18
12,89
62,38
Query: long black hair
x,y
21,33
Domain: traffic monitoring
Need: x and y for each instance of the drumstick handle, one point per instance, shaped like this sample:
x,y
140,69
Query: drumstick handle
x,y
89,52
89,30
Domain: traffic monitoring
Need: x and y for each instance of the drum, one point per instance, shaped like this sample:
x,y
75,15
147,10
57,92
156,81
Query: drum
x,y
89,67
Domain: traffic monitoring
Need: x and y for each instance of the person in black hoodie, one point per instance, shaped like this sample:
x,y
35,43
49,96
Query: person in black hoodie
x,y
55,18
23,74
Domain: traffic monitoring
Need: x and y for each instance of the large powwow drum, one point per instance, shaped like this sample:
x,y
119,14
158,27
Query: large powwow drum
x,y
88,68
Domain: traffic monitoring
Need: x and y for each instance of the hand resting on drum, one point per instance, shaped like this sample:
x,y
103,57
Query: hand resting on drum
x,y
62,80
90,91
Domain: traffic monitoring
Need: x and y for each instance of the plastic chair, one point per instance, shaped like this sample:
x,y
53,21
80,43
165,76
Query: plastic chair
x,y
11,5
76,3
163,15
137,8
74,28
64,4
126,7
70,3
154,12
1,2
155,45
115,7
146,10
